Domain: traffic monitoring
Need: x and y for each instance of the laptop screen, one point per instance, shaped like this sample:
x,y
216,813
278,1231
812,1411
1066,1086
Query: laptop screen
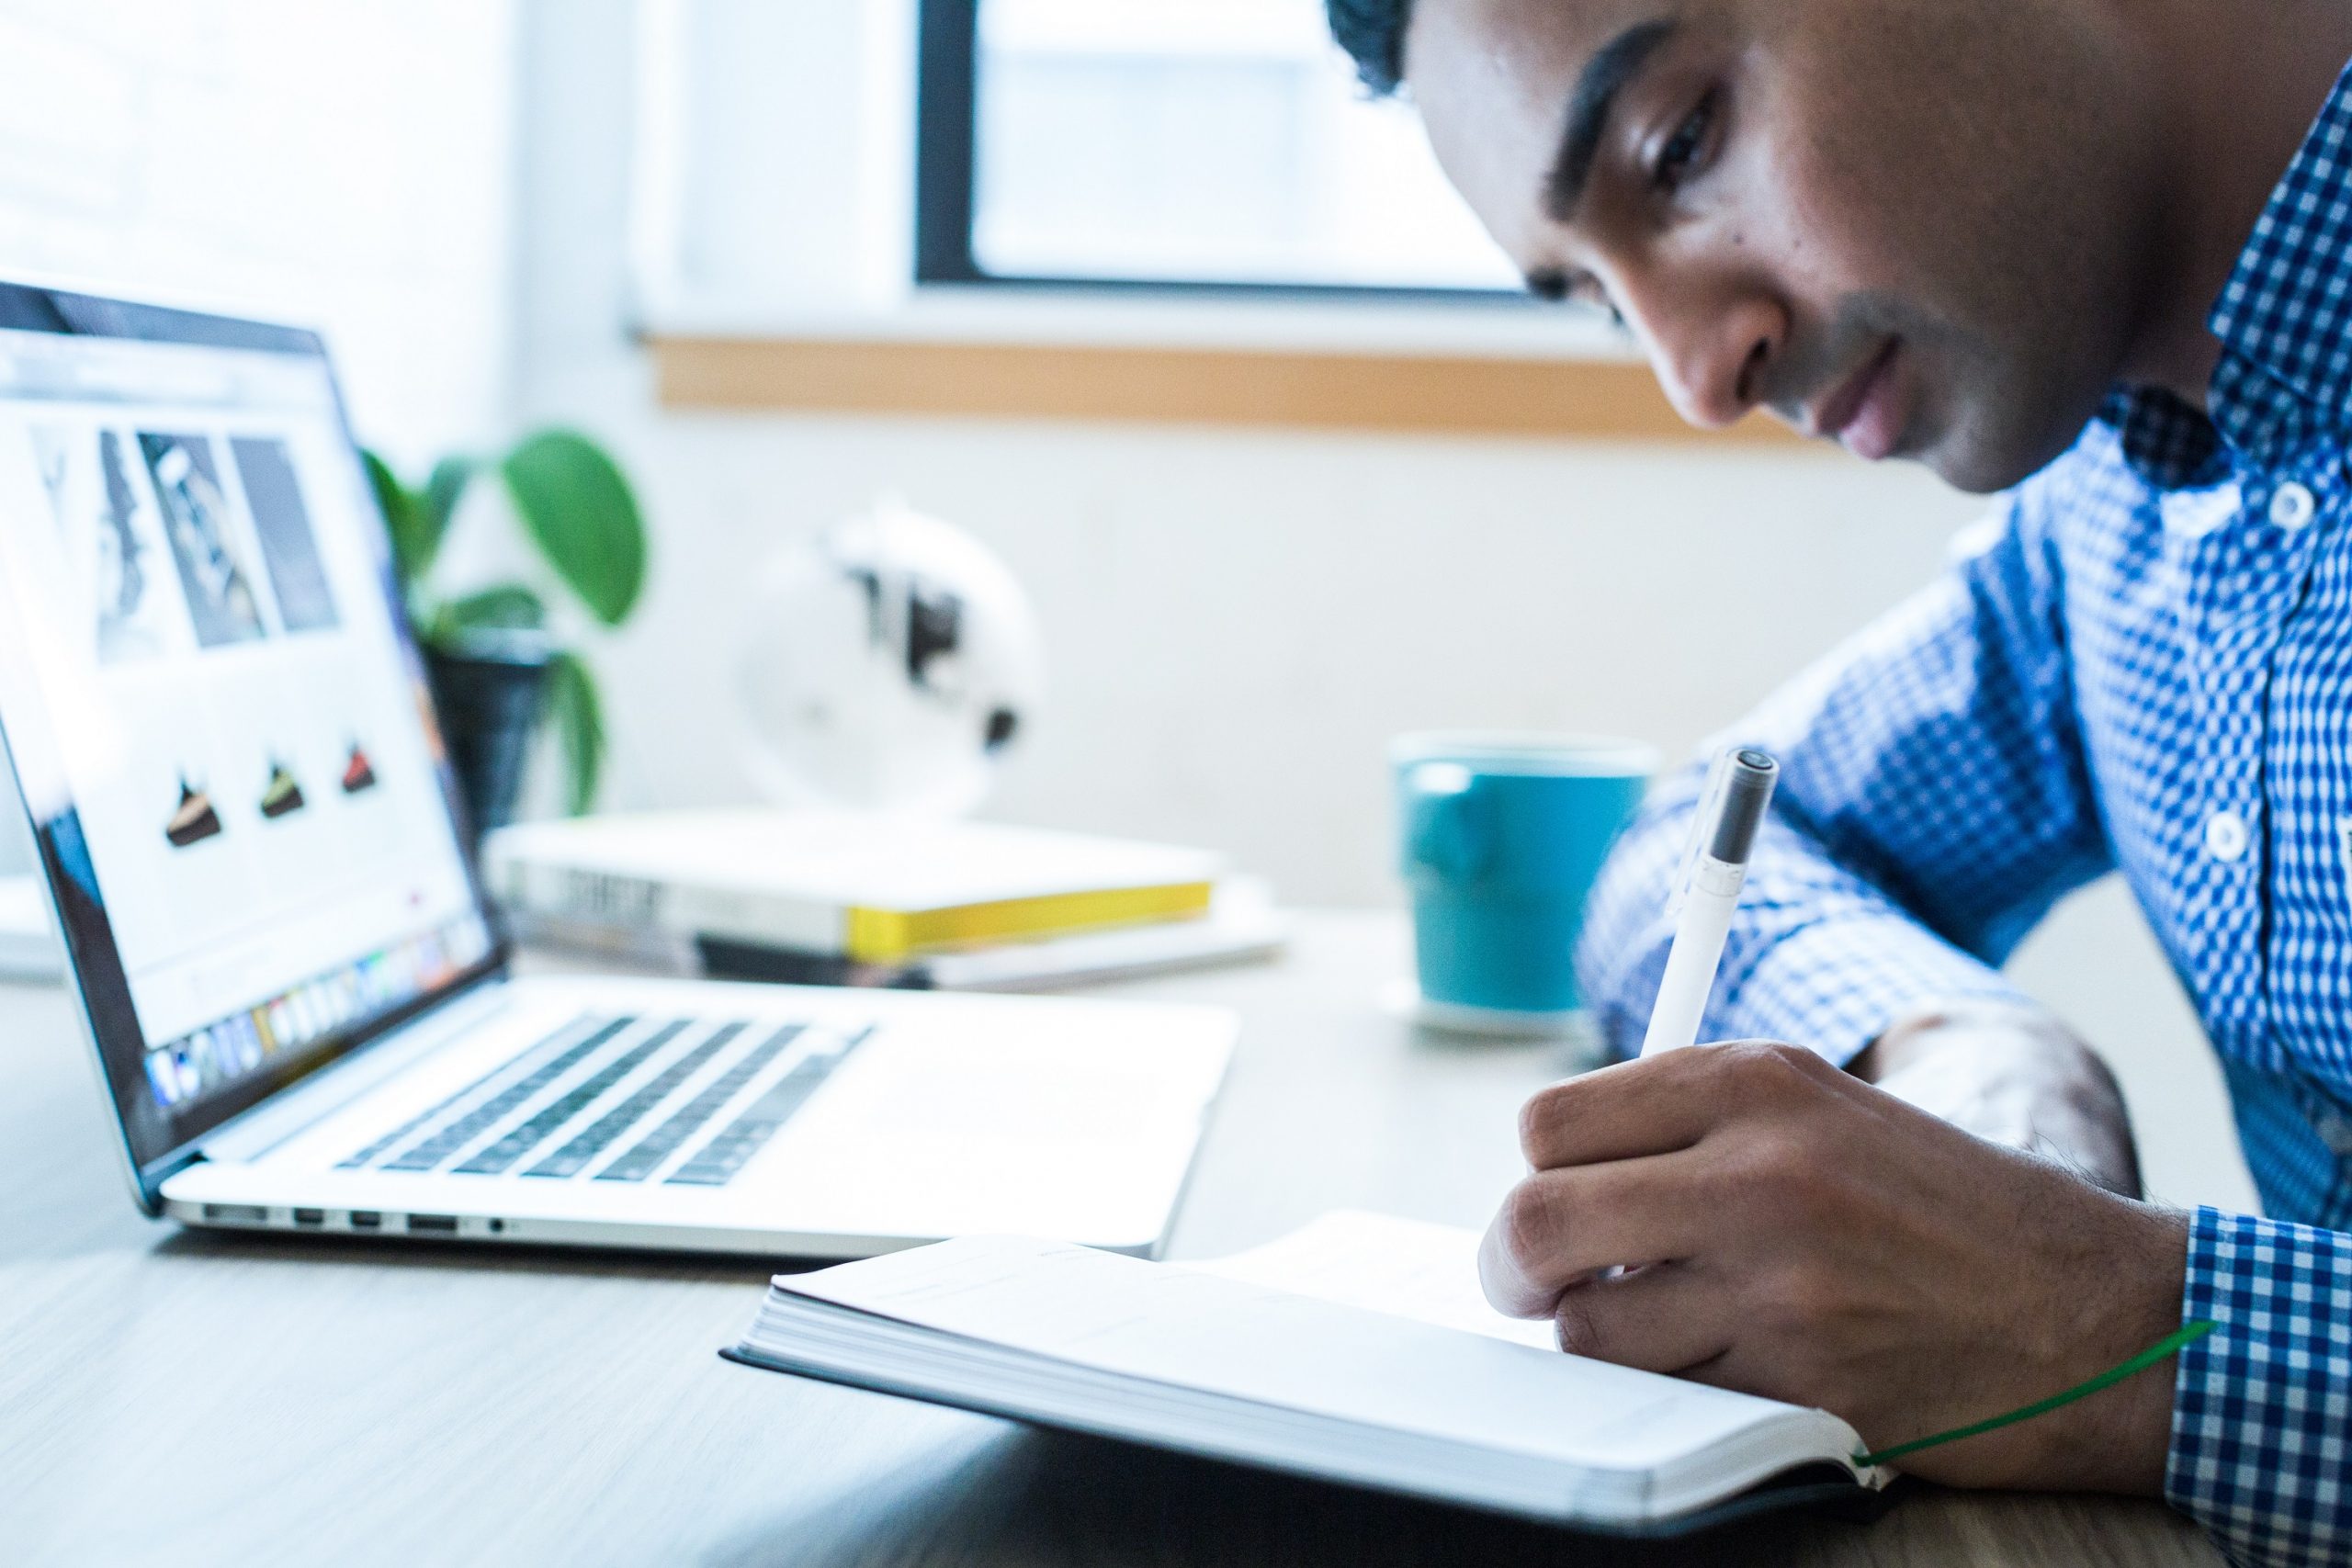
x,y
217,722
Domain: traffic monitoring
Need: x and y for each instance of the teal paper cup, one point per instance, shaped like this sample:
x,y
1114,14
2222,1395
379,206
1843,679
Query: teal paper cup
x,y
1500,837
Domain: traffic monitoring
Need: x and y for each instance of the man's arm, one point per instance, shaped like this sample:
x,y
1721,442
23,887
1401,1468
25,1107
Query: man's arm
x,y
1825,1241
2014,1075
1934,803
1828,1243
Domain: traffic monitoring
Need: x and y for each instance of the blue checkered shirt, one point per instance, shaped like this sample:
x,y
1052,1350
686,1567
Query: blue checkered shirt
x,y
2142,663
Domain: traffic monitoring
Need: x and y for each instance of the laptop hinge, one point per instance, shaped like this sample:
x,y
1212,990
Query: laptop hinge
x,y
283,1116
152,1178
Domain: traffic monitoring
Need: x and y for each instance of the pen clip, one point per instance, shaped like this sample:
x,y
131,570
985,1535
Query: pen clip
x,y
1711,801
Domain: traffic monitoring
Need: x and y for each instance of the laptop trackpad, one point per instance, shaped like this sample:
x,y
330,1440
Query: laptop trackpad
x,y
927,1130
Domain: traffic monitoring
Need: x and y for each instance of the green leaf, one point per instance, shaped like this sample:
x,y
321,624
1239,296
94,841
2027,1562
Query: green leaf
x,y
413,538
508,605
443,491
579,716
579,508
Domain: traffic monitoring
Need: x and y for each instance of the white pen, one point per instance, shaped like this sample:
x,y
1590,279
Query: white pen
x,y
1718,870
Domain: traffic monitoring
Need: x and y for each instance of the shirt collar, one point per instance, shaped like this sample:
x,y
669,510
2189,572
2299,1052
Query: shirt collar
x,y
2284,320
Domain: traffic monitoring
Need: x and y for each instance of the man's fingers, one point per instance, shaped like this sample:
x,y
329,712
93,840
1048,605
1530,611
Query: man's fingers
x,y
1661,1103
1558,1227
1665,1317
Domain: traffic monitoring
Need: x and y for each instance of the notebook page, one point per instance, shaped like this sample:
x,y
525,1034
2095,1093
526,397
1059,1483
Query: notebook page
x,y
1409,1267
1124,1316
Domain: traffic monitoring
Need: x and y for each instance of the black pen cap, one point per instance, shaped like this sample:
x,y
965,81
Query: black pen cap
x,y
1748,791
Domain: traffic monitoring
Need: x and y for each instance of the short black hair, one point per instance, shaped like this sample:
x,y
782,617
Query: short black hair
x,y
1373,33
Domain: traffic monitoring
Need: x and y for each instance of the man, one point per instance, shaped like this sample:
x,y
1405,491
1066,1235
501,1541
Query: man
x,y
2099,250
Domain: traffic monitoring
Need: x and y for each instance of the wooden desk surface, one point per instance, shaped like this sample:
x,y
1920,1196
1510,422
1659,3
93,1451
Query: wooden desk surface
x,y
170,1397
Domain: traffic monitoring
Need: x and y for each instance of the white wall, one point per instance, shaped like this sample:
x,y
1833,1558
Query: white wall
x,y
1238,621
346,164
349,165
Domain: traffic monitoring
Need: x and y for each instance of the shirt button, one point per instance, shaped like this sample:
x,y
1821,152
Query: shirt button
x,y
2336,1132
2226,835
2291,505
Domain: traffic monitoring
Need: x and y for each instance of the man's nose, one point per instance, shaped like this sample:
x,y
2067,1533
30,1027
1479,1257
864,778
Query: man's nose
x,y
1714,356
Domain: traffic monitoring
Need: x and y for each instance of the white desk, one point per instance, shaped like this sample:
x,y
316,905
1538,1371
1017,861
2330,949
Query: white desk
x,y
196,1399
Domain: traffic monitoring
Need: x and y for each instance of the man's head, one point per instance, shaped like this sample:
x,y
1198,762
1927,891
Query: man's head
x,y
1922,226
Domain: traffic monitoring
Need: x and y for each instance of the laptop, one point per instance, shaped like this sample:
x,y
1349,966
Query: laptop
x,y
299,1004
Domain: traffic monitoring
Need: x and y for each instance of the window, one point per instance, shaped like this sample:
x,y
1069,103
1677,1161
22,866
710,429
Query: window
x,y
1216,143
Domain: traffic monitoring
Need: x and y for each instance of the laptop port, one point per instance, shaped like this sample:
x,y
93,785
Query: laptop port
x,y
367,1220
237,1214
309,1216
433,1224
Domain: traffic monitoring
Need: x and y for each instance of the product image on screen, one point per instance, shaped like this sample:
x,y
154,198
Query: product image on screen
x,y
281,796
193,819
305,602
359,773
212,567
114,533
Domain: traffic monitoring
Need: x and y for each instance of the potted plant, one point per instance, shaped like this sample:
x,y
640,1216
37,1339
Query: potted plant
x,y
495,664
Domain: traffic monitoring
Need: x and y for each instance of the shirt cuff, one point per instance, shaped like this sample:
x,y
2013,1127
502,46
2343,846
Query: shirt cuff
x,y
2262,1407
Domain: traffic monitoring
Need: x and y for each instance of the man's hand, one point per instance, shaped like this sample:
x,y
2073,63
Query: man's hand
x,y
1796,1233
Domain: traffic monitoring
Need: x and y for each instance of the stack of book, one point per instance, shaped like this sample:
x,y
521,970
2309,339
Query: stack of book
x,y
830,898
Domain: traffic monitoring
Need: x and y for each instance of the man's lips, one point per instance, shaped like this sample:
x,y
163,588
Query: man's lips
x,y
1864,413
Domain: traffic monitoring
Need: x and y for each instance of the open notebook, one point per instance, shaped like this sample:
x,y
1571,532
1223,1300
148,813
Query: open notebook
x,y
1274,1358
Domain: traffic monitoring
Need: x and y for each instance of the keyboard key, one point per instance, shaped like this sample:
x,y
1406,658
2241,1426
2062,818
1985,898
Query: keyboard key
x,y
646,1155
447,1142
530,1133
576,1155
595,1037
716,1163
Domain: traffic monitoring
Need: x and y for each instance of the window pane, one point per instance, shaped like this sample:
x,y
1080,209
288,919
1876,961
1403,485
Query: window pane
x,y
1204,141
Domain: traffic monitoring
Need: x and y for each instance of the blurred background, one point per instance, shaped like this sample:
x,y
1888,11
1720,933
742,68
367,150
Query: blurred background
x,y
787,256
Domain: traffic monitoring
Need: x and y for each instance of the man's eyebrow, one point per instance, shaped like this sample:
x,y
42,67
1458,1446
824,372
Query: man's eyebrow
x,y
1613,65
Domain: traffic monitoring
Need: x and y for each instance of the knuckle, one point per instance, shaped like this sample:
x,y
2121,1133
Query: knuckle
x,y
1530,1220
1787,1172
1783,1185
1545,1110
1799,1301
1773,1071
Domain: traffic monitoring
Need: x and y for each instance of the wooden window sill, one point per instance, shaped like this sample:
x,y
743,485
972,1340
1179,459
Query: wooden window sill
x,y
1310,387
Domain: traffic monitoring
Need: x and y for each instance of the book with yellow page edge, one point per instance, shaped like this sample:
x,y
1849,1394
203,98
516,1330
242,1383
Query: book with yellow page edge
x,y
1356,1350
868,888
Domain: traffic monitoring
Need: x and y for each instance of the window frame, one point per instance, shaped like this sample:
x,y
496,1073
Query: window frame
x,y
946,152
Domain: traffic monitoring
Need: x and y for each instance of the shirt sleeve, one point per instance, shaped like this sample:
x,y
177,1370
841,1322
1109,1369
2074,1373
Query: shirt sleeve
x,y
1933,804
2261,1448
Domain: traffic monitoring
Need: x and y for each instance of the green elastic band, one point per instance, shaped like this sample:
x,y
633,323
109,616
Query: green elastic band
x,y
2187,1334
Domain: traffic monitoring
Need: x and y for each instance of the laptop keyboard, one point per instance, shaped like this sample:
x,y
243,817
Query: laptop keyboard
x,y
598,1082
454,1135
648,1156
576,1155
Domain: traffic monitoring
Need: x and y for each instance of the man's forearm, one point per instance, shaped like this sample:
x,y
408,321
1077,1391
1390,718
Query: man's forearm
x,y
2014,1076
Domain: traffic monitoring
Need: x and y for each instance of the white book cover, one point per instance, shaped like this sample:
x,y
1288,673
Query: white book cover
x,y
788,877
1356,1350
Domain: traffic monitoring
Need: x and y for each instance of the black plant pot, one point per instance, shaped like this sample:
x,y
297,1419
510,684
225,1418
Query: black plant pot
x,y
490,691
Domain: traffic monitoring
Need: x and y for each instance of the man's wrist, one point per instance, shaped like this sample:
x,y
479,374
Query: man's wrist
x,y
2120,1438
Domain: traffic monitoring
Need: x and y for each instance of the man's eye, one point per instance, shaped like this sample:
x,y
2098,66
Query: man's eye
x,y
1682,150
1587,292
